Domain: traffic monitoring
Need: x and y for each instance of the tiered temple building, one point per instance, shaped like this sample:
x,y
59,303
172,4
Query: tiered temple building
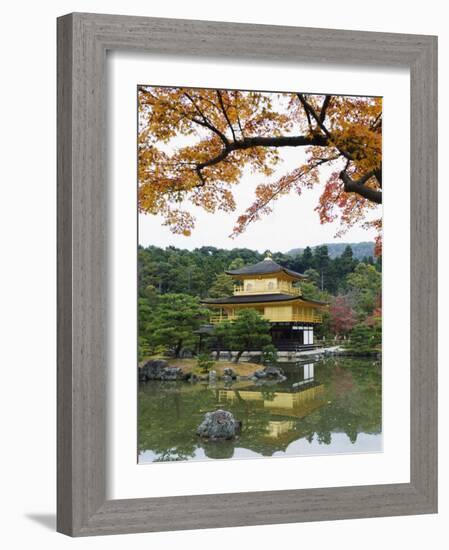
x,y
268,288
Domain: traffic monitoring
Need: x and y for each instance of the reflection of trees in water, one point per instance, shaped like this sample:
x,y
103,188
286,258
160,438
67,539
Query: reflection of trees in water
x,y
268,394
353,388
167,417
169,413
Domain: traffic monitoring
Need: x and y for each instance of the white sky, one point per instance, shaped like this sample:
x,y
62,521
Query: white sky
x,y
292,224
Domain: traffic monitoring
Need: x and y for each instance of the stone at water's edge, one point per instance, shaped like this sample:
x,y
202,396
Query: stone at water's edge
x,y
228,371
270,373
218,425
274,372
158,369
212,376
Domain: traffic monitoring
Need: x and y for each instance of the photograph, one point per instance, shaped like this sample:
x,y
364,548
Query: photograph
x,y
259,274
234,333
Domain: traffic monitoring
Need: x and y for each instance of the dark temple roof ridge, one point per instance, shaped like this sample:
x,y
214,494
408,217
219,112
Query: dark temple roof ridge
x,y
259,298
265,267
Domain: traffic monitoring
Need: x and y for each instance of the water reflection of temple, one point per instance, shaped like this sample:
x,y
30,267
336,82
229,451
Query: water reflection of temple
x,y
287,404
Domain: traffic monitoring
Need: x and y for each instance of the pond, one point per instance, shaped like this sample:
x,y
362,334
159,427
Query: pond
x,y
331,406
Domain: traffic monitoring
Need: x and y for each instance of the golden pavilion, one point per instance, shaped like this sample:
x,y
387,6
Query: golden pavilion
x,y
269,288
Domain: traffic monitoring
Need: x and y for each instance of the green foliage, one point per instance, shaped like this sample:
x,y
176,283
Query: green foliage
x,y
222,286
205,363
364,284
174,270
311,291
359,250
143,348
324,329
365,339
237,263
151,294
313,276
269,354
200,273
145,312
249,331
174,320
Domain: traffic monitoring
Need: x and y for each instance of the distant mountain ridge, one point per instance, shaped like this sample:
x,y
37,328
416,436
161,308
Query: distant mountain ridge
x,y
359,250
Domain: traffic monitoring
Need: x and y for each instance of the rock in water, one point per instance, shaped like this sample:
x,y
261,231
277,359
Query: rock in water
x,y
212,376
229,372
154,369
218,425
274,372
270,373
158,369
171,373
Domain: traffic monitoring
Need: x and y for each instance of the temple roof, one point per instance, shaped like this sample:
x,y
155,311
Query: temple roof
x,y
266,267
260,298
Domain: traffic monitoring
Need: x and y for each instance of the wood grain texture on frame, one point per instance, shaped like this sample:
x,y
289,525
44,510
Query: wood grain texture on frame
x,y
83,40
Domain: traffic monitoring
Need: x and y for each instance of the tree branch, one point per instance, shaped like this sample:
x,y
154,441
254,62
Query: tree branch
x,y
378,174
281,188
205,121
275,141
324,107
220,98
359,187
240,125
320,122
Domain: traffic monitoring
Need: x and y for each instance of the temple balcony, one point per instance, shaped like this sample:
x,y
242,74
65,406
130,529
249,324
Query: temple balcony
x,y
266,288
303,317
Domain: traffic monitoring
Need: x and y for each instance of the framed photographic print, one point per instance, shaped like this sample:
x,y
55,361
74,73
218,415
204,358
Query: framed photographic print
x,y
246,274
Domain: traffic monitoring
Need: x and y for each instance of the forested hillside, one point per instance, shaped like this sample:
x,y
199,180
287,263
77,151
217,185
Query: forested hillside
x,y
174,270
172,281
359,250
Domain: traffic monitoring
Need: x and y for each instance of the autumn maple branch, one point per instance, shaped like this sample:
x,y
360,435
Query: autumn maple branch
x,y
321,138
324,107
359,187
320,120
260,141
220,99
281,187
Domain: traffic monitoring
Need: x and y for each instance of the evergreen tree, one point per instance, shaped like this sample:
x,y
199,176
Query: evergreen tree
x,y
174,322
365,284
222,286
249,331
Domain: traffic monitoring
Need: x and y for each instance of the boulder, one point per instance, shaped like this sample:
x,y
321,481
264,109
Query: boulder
x,y
142,375
158,369
228,371
191,377
270,373
274,372
153,369
260,374
171,373
212,376
218,425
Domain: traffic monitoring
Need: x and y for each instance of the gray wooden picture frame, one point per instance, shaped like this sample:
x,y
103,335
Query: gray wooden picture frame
x,y
83,40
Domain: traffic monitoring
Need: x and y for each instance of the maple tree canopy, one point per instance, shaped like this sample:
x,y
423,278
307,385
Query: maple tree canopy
x,y
195,143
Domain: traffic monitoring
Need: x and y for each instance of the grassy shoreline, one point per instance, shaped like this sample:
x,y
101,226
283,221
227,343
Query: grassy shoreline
x,y
191,365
